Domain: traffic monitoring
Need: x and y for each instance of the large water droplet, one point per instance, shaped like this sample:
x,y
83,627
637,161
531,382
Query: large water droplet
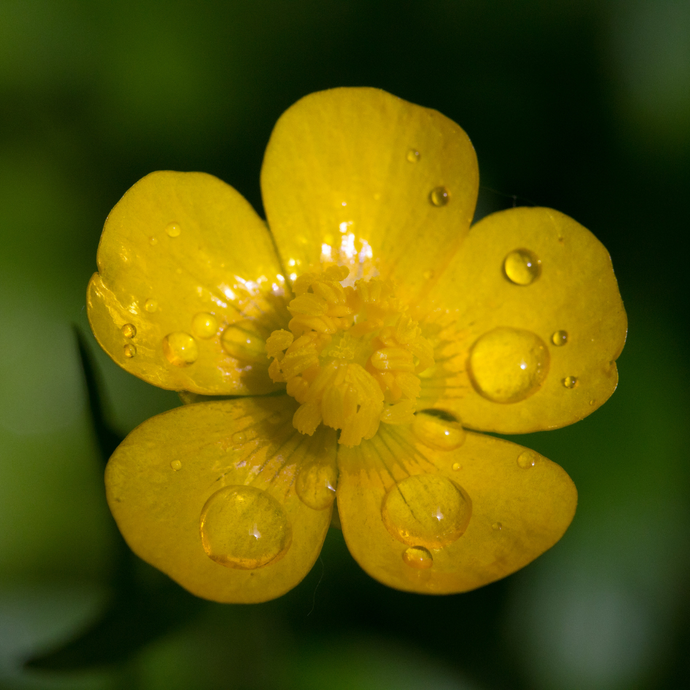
x,y
130,351
570,381
507,365
180,349
439,196
129,330
244,527
173,230
522,267
559,338
240,341
412,155
316,484
151,305
438,433
426,510
204,325
527,459
418,557
176,465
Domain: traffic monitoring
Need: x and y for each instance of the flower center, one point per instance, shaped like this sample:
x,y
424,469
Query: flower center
x,y
351,357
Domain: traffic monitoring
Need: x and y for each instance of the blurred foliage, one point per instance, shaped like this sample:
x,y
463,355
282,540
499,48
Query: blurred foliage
x,y
581,105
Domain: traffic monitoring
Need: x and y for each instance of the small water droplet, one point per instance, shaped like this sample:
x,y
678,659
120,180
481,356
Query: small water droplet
x,y
439,196
180,349
130,351
426,510
240,341
522,267
507,365
428,274
438,433
316,484
129,330
559,338
239,437
204,325
173,230
151,305
570,381
176,465
153,241
457,467
497,526
591,402
418,557
527,459
275,418
412,155
244,527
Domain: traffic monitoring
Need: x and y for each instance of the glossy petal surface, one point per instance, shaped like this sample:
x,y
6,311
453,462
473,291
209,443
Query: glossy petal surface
x,y
207,493
520,505
365,179
186,266
533,352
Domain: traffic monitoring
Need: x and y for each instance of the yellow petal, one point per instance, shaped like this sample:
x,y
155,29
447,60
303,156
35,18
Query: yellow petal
x,y
211,495
189,286
437,522
365,179
528,326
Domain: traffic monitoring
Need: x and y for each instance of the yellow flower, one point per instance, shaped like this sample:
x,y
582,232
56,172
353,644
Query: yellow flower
x,y
359,340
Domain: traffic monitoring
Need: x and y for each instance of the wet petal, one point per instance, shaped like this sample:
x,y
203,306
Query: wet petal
x,y
210,494
426,520
189,286
528,327
363,178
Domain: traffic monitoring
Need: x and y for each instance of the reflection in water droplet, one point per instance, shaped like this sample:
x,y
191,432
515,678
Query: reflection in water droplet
x,y
244,527
439,196
176,465
316,484
522,267
559,338
130,351
570,381
418,557
240,341
507,365
497,526
239,437
204,325
151,305
438,433
129,330
426,510
456,466
180,349
527,459
173,230
412,156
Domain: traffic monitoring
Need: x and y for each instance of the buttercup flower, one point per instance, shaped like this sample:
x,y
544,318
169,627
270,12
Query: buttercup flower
x,y
356,343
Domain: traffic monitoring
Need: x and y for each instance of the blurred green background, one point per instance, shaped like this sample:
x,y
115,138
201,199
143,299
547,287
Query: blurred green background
x,y
580,105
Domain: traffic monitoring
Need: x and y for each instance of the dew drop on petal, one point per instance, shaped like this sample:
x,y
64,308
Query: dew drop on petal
x,y
151,305
153,241
507,365
418,557
426,510
439,196
559,338
176,465
497,526
527,459
173,230
456,466
244,527
438,433
242,343
239,437
412,155
316,484
204,325
130,351
180,349
570,381
522,267
129,330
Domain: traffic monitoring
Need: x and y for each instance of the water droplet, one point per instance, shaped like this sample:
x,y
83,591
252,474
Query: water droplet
x,y
129,330
204,325
412,156
275,418
426,510
418,557
527,459
316,484
439,196
497,526
438,433
176,465
507,365
180,349
244,527
522,267
239,437
130,351
570,381
153,241
428,274
559,338
151,305
243,343
591,402
457,467
173,230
